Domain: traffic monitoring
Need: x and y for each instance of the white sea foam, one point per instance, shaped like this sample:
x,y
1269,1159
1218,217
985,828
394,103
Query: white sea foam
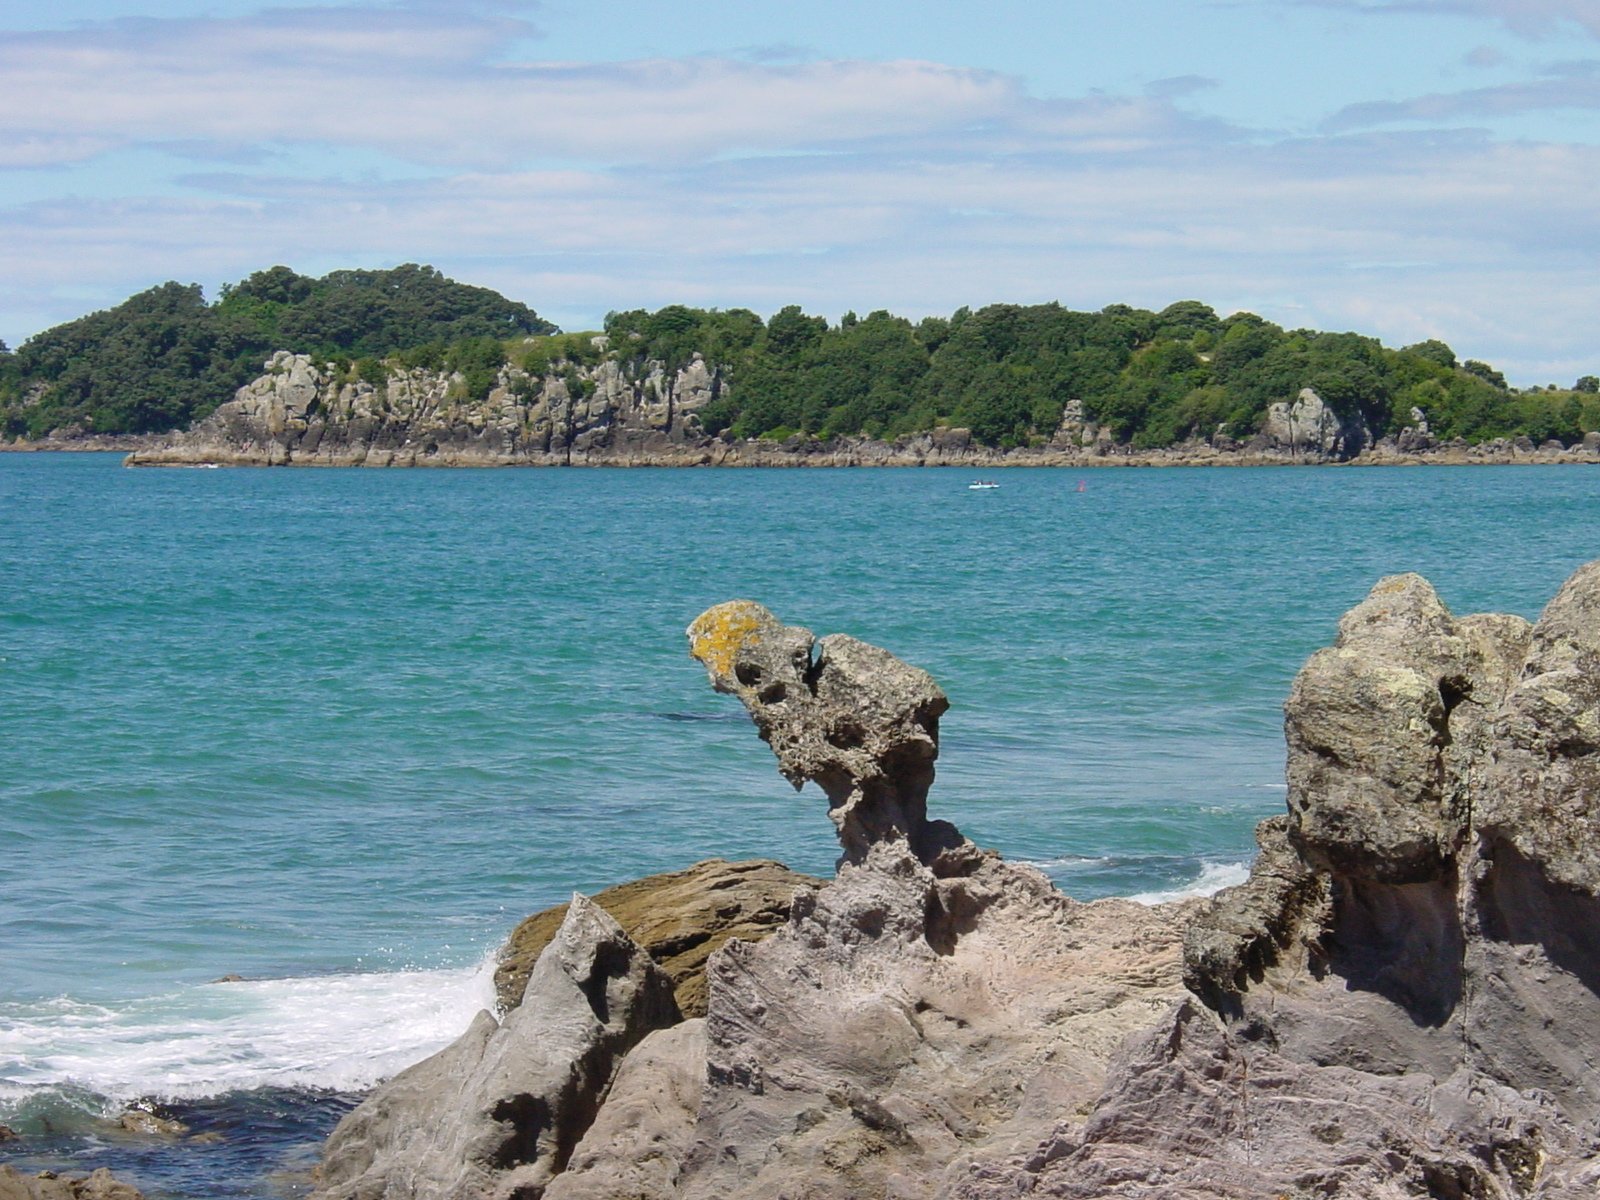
x,y
344,1032
1212,879
1080,861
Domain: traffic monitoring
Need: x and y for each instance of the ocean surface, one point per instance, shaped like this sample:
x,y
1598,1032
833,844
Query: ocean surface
x,y
335,732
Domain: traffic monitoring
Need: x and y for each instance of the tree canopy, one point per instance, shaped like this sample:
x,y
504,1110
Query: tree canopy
x,y
166,356
1007,372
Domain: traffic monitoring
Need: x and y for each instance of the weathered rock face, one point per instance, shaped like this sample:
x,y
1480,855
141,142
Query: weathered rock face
x,y
499,1112
638,1145
678,919
932,1010
859,722
304,412
1409,984
1307,426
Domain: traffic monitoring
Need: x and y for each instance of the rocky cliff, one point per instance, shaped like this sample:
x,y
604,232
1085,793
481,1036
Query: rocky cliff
x,y
1403,1000
619,413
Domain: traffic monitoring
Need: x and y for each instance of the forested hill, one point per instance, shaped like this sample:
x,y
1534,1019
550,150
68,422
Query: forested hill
x,y
1011,374
166,356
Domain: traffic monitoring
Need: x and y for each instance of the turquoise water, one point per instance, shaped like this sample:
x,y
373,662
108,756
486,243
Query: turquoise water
x,y
336,731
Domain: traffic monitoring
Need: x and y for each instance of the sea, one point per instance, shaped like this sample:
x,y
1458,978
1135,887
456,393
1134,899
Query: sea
x,y
334,732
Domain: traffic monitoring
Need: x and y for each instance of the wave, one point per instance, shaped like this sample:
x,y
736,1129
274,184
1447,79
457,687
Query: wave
x,y
331,1032
1212,879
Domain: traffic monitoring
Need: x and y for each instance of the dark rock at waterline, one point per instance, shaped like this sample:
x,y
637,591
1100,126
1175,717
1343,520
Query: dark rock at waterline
x,y
679,918
150,1118
47,1185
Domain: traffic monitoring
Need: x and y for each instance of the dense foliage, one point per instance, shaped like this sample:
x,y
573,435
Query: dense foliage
x,y
166,356
1008,372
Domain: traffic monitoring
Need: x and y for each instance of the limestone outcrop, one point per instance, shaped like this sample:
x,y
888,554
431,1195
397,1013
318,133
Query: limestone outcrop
x,y
304,412
1402,1001
1308,427
677,918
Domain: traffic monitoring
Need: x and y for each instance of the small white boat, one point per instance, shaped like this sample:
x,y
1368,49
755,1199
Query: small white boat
x,y
982,485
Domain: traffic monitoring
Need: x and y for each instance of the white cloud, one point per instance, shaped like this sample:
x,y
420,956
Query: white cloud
x,y
1405,237
439,90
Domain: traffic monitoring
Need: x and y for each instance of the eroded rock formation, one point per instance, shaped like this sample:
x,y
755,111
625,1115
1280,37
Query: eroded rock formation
x,y
1407,986
1402,1001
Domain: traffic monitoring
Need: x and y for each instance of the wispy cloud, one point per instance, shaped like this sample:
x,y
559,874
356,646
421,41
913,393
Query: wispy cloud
x,y
1563,86
1528,18
441,90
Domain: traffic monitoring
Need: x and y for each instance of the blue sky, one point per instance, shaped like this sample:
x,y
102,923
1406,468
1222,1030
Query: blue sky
x,y
1405,168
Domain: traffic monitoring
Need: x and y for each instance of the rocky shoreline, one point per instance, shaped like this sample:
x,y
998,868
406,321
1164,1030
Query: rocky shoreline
x,y
1403,1000
122,443
301,413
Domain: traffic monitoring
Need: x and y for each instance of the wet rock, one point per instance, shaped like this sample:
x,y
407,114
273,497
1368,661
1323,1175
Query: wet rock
x,y
500,1111
47,1185
149,1118
678,918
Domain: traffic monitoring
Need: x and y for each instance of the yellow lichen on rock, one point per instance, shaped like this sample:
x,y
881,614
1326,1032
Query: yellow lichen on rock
x,y
716,635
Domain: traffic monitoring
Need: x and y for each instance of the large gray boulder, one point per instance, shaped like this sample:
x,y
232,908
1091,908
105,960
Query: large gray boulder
x,y
1405,996
497,1114
1308,427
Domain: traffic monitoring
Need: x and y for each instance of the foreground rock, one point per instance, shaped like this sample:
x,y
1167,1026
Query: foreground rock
x,y
1402,1001
934,1003
931,1007
1406,990
678,918
499,1112
47,1185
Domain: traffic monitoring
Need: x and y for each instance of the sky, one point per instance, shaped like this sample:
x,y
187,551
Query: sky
x,y
1407,169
